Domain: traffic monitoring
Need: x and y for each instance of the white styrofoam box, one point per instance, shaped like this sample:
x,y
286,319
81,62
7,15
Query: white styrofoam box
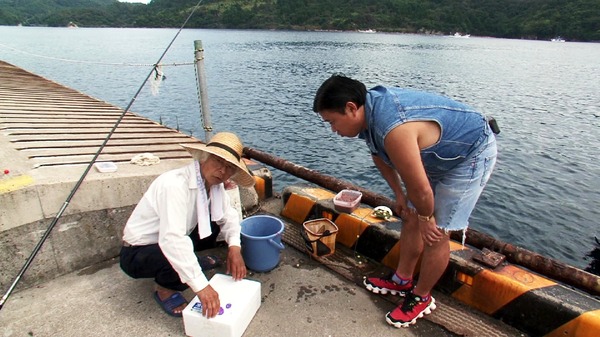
x,y
239,302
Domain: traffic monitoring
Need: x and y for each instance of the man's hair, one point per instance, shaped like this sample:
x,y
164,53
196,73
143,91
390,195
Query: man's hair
x,y
336,91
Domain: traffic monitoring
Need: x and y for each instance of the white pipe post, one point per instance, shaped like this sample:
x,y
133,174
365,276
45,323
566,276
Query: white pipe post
x,y
202,92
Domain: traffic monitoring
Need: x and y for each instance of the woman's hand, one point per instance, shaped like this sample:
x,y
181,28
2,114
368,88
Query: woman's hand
x,y
235,263
210,301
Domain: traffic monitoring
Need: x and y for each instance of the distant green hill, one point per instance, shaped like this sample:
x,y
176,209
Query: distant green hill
x,y
529,19
47,12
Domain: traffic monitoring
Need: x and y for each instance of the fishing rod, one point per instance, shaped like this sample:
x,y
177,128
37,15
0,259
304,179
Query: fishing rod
x,y
37,248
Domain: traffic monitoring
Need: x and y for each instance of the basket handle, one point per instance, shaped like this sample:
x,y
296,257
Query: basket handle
x,y
307,241
305,236
322,248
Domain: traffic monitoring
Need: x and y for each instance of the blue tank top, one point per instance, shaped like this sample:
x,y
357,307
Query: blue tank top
x,y
463,129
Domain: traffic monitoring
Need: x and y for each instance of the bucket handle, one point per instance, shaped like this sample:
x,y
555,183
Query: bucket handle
x,y
277,245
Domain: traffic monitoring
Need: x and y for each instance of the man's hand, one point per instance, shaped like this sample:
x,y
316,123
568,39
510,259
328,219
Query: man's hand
x,y
235,263
210,301
429,232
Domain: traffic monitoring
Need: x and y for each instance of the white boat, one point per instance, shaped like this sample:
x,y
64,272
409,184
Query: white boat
x,y
370,31
558,39
457,34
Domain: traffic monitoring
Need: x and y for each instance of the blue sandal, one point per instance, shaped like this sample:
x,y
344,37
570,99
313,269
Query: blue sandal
x,y
172,302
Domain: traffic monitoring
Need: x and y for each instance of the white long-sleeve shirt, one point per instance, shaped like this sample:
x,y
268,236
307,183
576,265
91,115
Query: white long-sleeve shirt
x,y
167,214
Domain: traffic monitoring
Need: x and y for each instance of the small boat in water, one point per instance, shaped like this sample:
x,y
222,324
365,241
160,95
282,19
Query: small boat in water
x,y
558,39
368,31
459,35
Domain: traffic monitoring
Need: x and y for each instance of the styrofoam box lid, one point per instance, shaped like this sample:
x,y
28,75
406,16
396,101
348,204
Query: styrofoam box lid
x,y
105,166
239,300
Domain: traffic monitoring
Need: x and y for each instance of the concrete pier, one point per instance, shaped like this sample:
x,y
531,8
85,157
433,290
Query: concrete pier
x,y
48,135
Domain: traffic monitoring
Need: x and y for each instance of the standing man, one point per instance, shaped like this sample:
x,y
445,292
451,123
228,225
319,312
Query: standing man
x,y
442,151
182,212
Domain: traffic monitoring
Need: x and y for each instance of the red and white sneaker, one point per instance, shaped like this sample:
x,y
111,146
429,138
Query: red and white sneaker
x,y
410,310
383,285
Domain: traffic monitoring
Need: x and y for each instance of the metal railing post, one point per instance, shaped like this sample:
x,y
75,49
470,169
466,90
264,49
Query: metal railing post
x,y
202,92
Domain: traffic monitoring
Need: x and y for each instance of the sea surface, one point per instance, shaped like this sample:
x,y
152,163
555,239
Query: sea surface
x,y
543,196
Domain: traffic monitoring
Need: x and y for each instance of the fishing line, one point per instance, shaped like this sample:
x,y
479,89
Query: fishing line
x,y
356,253
91,163
94,62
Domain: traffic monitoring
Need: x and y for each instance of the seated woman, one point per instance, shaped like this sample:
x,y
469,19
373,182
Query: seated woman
x,y
182,212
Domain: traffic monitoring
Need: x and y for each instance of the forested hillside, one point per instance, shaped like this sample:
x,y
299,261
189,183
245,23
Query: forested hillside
x,y
577,20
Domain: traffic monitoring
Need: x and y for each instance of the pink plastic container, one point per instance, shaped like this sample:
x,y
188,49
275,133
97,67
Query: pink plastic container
x,y
347,201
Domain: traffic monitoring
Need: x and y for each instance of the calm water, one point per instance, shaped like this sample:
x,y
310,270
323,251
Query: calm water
x,y
543,195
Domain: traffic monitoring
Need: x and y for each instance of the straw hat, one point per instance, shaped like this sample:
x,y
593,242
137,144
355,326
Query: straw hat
x,y
228,146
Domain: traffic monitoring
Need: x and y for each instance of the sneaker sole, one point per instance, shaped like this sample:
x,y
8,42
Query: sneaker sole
x,y
426,311
384,291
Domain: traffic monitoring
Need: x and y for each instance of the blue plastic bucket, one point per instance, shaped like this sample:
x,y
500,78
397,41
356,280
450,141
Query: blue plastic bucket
x,y
261,242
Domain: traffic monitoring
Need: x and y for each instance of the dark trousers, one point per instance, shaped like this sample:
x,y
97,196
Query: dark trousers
x,y
150,262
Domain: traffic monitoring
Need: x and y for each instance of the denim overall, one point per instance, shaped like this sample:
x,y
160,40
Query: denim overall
x,y
458,165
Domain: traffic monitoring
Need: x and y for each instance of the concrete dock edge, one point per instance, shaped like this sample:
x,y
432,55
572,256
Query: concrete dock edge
x,y
523,299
